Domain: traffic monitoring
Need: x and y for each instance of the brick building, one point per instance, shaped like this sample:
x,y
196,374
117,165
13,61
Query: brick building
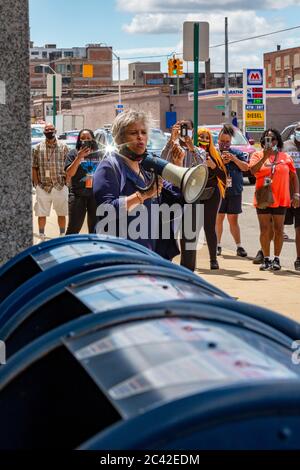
x,y
69,63
282,67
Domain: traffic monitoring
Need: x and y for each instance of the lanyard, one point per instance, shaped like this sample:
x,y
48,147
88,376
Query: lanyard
x,y
51,154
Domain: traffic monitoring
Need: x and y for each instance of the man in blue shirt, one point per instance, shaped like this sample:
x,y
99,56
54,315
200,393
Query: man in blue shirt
x,y
231,205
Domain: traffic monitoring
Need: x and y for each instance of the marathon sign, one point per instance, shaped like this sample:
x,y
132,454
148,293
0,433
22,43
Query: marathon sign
x,y
255,77
254,100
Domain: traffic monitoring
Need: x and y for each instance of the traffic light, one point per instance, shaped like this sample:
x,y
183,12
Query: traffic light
x,y
175,65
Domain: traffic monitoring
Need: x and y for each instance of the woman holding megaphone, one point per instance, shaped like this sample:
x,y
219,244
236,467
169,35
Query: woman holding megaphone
x,y
124,193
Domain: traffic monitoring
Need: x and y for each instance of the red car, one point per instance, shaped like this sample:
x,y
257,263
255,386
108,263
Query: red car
x,y
239,142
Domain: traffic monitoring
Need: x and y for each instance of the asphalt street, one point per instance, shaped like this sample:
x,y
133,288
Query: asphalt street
x,y
250,231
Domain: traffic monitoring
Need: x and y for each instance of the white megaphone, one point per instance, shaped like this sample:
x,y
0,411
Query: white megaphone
x,y
191,181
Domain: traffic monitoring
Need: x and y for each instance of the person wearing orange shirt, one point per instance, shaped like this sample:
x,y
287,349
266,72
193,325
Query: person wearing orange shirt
x,y
272,163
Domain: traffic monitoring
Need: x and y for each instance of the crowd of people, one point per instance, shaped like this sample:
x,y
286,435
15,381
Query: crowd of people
x,y
121,198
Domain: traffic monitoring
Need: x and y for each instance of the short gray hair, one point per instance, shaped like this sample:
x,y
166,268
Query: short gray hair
x,y
125,119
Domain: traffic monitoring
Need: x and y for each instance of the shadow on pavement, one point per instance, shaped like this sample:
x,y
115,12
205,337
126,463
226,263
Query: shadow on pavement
x,y
228,273
287,274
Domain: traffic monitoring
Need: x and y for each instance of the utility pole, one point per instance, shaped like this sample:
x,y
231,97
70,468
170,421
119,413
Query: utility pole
x,y
196,80
226,73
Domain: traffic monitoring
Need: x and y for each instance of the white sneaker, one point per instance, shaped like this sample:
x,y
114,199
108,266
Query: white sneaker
x,y
42,237
62,234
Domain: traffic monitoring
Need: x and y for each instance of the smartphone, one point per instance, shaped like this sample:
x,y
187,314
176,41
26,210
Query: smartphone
x,y
87,144
268,142
183,130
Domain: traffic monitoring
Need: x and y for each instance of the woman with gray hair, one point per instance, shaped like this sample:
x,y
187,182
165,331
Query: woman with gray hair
x,y
121,188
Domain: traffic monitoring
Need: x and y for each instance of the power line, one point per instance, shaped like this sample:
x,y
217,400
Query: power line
x,y
259,36
217,45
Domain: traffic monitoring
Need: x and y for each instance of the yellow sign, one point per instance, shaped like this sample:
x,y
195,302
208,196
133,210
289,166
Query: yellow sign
x,y
88,71
255,116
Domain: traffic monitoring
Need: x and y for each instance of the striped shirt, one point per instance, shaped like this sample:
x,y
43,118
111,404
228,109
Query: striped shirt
x,y
191,158
49,160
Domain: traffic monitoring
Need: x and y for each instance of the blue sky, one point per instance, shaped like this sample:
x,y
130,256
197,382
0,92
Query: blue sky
x,y
137,28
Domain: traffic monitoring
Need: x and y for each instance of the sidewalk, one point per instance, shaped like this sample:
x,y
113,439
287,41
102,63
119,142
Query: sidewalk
x,y
243,280
239,277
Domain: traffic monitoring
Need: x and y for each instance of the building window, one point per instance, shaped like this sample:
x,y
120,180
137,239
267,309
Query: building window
x,y
297,60
278,81
133,75
71,68
69,54
66,80
269,70
35,53
38,69
286,61
278,63
61,68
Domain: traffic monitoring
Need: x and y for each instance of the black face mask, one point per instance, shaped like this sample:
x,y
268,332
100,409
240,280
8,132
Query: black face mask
x,y
49,135
124,150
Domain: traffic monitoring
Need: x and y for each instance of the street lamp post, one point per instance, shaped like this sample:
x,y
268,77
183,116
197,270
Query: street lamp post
x,y
119,71
53,92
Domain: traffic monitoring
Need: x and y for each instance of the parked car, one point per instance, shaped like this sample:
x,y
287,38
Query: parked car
x,y
288,131
37,134
156,141
239,142
69,135
71,143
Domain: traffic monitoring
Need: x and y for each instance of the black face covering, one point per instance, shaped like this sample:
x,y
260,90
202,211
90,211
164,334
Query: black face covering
x,y
49,135
124,150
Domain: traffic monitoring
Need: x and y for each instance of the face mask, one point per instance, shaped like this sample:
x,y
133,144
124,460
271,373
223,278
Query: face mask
x,y
131,155
49,135
224,146
297,135
203,144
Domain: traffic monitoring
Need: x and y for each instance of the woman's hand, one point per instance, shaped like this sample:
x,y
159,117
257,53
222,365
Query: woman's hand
x,y
296,201
210,163
83,152
268,153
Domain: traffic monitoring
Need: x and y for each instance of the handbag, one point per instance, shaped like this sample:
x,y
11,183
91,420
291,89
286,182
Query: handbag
x,y
207,194
264,195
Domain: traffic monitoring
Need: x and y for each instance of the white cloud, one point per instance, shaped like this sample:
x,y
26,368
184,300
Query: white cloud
x,y
153,6
240,22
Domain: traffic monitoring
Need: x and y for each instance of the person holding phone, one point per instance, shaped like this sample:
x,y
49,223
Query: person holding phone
x,y
181,151
127,199
80,166
235,163
275,167
292,147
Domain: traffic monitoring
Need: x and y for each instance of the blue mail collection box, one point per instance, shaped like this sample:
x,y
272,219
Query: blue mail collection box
x,y
189,374
39,258
97,291
112,347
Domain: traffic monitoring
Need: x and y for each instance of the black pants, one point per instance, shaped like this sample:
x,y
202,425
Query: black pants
x,y
211,206
79,205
